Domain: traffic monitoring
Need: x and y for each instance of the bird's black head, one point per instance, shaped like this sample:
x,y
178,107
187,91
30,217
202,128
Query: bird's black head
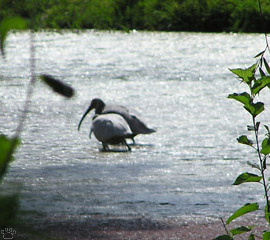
x,y
97,104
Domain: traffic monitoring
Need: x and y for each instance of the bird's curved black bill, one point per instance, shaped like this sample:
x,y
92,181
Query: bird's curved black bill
x,y
84,115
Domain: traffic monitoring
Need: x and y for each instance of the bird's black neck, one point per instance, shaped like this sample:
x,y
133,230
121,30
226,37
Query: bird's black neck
x,y
100,108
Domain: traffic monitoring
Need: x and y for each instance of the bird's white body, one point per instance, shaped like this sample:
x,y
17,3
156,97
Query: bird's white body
x,y
110,129
108,126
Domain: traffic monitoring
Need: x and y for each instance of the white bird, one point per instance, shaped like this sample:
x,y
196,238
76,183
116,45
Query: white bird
x,y
110,129
136,125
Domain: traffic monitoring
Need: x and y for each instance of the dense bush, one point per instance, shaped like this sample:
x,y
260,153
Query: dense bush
x,y
168,15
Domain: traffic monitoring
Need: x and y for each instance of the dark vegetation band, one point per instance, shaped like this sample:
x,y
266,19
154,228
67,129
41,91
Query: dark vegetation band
x,y
161,15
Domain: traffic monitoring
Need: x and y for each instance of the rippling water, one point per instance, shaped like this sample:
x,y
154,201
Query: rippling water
x,y
177,81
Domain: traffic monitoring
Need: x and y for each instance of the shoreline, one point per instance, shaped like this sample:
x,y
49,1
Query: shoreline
x,y
119,228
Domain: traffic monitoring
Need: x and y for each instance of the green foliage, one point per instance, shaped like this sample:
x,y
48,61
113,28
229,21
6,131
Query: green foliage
x,y
6,25
240,230
7,148
266,146
267,214
168,15
247,75
249,207
253,108
244,97
260,84
266,236
244,140
9,203
256,78
247,177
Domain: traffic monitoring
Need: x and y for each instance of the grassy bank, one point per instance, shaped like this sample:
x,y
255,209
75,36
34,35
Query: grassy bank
x,y
166,15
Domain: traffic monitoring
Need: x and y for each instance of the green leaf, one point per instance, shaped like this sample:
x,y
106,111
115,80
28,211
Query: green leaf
x,y
267,217
249,207
254,165
266,146
244,140
247,177
253,128
247,75
244,97
254,108
251,237
223,237
266,65
266,236
6,25
9,206
267,128
58,86
7,148
260,84
240,230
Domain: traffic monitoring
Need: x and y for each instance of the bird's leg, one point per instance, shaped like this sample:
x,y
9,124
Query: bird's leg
x,y
133,140
105,147
90,133
125,142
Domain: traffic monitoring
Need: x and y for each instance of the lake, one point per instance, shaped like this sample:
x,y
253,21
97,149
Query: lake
x,y
178,82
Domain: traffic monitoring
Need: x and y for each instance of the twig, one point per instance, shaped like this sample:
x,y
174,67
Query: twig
x,y
262,161
262,167
224,225
30,86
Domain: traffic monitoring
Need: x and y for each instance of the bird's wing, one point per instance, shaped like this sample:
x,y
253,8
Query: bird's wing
x,y
118,109
133,118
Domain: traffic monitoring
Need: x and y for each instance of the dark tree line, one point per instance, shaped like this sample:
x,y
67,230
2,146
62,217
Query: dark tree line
x,y
164,15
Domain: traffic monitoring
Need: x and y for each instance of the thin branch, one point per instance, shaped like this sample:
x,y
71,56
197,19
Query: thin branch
x,y
262,166
224,225
30,87
262,161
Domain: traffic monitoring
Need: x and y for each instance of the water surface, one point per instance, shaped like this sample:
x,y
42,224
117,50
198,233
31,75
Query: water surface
x,y
177,81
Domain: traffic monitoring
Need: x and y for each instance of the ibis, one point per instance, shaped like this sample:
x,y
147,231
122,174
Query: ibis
x,y
136,125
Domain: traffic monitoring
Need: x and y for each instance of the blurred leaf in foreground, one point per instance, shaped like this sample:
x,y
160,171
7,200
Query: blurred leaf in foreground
x,y
9,206
58,86
266,236
8,24
7,148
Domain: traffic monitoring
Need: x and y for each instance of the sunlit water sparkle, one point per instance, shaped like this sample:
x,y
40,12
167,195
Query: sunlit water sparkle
x,y
177,81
